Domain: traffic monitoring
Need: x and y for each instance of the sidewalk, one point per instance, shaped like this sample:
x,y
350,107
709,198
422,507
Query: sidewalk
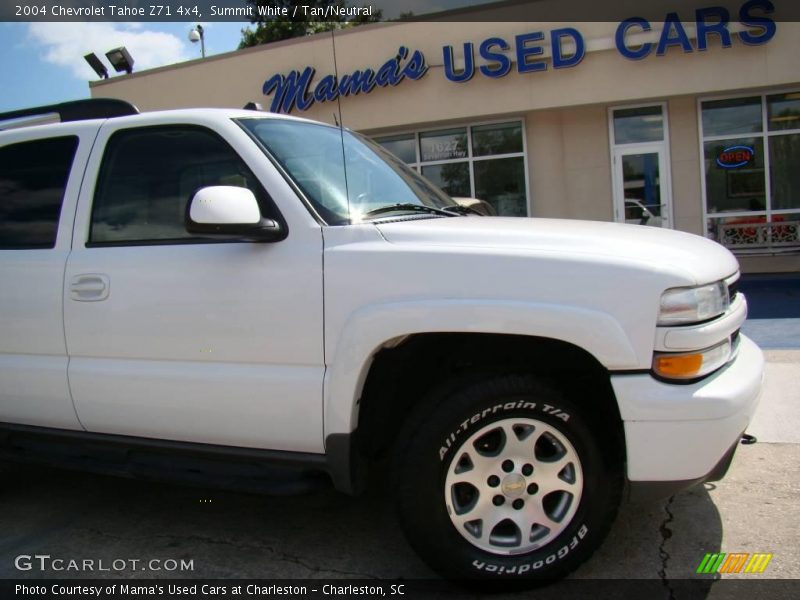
x,y
774,323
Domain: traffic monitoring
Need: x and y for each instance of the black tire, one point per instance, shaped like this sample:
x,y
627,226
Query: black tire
x,y
433,444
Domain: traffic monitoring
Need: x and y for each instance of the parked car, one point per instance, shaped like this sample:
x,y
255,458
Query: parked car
x,y
481,207
637,213
217,295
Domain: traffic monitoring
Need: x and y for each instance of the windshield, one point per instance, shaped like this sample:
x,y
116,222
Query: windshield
x,y
345,176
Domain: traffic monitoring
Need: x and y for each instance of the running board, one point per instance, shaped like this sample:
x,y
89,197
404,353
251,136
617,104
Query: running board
x,y
205,465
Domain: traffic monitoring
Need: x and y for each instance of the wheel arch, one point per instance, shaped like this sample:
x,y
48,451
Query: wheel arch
x,y
353,347
400,375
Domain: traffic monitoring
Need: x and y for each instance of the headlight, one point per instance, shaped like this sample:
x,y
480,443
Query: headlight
x,y
683,306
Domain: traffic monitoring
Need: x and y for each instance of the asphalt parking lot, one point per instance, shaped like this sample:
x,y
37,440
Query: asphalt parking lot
x,y
325,534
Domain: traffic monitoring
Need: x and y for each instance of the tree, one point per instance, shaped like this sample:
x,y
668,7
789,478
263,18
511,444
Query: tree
x,y
306,17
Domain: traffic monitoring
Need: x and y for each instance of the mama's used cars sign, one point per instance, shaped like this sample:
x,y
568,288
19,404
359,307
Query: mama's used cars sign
x,y
300,89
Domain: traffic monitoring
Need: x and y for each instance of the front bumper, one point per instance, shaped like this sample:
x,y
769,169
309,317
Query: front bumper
x,y
681,433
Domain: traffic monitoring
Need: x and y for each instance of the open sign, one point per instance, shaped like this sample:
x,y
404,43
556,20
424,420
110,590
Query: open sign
x,y
735,157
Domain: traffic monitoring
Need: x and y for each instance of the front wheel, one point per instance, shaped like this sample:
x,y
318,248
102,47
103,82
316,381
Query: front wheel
x,y
501,479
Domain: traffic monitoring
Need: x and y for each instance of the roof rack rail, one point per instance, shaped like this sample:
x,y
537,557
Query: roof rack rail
x,y
76,110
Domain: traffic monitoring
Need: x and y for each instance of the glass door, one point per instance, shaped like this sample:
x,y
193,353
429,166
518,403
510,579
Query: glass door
x,y
641,185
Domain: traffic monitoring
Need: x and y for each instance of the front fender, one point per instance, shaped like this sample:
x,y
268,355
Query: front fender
x,y
370,328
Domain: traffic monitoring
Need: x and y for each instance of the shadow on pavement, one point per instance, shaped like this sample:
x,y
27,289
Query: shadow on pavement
x,y
320,535
225,534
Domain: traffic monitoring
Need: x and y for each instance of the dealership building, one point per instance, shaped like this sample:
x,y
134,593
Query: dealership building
x,y
692,124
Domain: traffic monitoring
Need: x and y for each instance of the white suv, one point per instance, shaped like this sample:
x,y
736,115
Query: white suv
x,y
272,302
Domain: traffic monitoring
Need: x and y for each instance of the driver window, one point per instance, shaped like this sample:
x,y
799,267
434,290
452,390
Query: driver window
x,y
148,177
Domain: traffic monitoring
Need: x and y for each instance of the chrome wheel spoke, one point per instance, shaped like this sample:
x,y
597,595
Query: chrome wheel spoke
x,y
524,524
517,446
549,475
473,468
478,513
538,516
489,525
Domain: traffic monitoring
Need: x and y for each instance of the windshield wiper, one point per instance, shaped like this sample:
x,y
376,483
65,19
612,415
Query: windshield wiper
x,y
407,206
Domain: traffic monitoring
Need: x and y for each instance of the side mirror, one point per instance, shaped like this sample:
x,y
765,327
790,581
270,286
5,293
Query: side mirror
x,y
224,210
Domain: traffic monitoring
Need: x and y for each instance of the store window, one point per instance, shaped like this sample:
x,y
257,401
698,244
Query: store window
x,y
402,146
477,161
751,149
637,125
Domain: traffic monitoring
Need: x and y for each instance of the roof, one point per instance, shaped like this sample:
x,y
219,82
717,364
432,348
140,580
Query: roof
x,y
96,111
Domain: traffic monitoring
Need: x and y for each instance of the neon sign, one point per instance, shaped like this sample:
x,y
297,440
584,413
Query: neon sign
x,y
734,157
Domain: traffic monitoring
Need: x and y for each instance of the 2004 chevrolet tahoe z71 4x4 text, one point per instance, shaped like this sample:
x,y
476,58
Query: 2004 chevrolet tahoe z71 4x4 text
x,y
245,289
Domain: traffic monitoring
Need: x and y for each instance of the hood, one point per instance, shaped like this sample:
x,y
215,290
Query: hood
x,y
701,259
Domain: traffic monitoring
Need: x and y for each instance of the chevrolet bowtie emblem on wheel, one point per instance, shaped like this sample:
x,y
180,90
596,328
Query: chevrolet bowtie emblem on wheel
x,y
513,485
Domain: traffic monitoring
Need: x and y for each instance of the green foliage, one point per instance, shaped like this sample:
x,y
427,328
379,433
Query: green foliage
x,y
272,29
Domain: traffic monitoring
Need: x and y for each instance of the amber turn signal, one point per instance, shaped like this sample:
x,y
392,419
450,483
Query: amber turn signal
x,y
690,365
681,366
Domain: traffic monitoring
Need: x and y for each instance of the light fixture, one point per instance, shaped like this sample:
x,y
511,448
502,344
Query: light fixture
x,y
98,67
198,35
120,59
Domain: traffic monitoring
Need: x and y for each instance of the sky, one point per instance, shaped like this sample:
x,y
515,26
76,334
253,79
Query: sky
x,y
42,63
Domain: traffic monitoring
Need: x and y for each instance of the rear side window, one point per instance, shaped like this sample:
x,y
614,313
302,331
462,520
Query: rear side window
x,y
33,177
149,175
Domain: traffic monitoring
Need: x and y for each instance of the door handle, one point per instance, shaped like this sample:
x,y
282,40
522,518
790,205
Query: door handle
x,y
89,288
